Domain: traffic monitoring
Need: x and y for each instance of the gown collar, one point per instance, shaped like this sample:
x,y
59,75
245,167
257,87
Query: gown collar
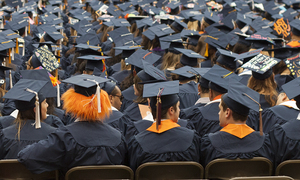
x,y
238,130
164,126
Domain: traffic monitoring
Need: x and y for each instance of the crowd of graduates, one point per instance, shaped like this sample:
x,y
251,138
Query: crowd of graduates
x,y
111,82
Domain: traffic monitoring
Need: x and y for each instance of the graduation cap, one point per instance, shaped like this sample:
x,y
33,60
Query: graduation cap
x,y
219,78
13,3
293,63
290,14
179,25
151,73
127,50
89,38
283,52
189,57
45,58
261,66
125,6
201,80
53,19
9,34
108,87
158,30
295,24
121,36
131,12
186,72
94,61
27,95
146,22
174,6
53,9
17,24
88,49
210,17
120,22
86,85
6,44
242,20
114,11
166,41
53,36
271,8
245,57
227,58
292,89
142,55
2,73
163,92
259,41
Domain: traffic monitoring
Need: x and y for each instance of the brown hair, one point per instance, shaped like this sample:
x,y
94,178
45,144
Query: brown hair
x,y
105,31
235,116
163,112
127,82
140,89
266,87
279,68
170,60
146,43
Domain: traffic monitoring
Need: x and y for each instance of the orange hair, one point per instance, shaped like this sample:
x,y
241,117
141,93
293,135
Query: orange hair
x,y
85,108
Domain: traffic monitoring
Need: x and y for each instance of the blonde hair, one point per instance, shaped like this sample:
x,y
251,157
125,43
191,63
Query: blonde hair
x,y
170,60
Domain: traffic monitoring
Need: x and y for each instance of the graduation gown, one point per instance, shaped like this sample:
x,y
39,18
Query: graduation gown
x,y
246,74
10,145
206,118
188,94
174,143
113,119
235,141
78,144
184,112
285,141
129,96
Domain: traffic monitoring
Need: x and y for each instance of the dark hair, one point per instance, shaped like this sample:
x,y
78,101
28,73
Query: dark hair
x,y
140,89
279,68
163,111
114,91
204,90
51,105
127,82
235,116
240,48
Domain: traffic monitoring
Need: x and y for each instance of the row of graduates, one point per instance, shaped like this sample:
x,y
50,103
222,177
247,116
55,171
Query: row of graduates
x,y
205,119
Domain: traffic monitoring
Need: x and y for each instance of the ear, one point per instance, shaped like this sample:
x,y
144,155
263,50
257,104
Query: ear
x,y
228,113
199,89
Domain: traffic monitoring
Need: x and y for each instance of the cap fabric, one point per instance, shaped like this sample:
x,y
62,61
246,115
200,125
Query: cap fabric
x,y
293,63
189,57
94,61
150,73
45,58
227,58
292,89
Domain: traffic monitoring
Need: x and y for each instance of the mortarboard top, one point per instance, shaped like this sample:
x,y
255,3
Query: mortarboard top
x,y
261,66
217,42
125,6
89,38
219,78
77,6
245,57
189,57
17,24
290,2
14,3
82,17
295,24
227,58
173,5
79,12
8,9
94,61
6,44
151,73
24,99
179,25
161,3
45,58
55,2
2,73
293,63
259,41
53,36
119,34
201,71
282,52
242,20
271,8
145,22
198,18
210,17
51,18
108,87
53,9
114,11
292,89
127,50
240,98
9,34
41,74
233,37
290,14
185,71
120,22
139,55
108,23
166,41
161,30
131,12
88,49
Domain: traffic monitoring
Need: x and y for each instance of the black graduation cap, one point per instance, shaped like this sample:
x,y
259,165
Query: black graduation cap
x,y
14,3
53,36
108,87
121,36
112,10
227,58
272,8
293,63
179,25
17,24
245,57
210,17
53,9
166,41
158,30
242,20
2,73
185,71
125,6
139,55
85,49
127,50
53,19
189,57
151,73
89,38
94,61
45,58
174,6
292,89
295,24
290,14
120,22
26,93
241,98
282,52
261,66
219,78
6,44
9,34
201,80
146,22
131,12
259,41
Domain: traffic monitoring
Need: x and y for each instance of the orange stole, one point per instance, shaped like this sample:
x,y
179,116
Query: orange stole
x,y
217,97
294,44
165,125
238,130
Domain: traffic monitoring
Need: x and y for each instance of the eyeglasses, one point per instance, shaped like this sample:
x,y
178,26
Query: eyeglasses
x,y
120,97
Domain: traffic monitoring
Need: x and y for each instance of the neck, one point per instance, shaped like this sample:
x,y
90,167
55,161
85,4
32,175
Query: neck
x,y
203,95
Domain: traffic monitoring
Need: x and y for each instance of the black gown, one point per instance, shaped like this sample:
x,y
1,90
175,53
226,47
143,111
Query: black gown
x,y
184,112
188,94
113,119
78,144
176,144
285,141
129,96
11,146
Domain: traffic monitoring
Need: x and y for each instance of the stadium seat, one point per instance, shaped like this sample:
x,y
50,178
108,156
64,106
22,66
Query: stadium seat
x,y
289,168
169,170
12,169
226,168
263,178
100,172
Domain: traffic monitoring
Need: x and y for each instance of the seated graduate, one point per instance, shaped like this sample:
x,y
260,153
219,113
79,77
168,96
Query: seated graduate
x,y
164,140
285,138
205,118
28,127
87,141
236,139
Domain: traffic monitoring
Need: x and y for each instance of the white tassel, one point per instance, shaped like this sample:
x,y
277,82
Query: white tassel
x,y
98,98
58,95
37,109
10,80
12,54
23,50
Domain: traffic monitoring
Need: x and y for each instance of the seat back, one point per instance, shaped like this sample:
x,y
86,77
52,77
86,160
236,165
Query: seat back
x,y
263,178
226,169
12,169
100,172
169,170
289,168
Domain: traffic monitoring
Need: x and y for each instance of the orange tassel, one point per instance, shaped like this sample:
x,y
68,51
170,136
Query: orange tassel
x,y
82,107
206,51
28,27
36,20
9,54
17,46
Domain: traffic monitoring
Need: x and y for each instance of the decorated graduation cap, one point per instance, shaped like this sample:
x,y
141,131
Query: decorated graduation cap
x,y
162,96
210,17
27,95
151,73
127,50
293,63
86,101
261,66
259,41
219,78
227,58
45,58
240,99
94,61
189,57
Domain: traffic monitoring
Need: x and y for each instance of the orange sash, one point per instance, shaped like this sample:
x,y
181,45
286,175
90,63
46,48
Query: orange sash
x,y
165,125
217,97
238,130
294,44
